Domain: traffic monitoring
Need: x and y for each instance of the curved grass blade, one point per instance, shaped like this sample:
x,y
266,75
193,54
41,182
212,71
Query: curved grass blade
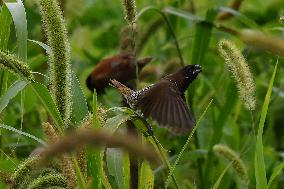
x,y
17,87
183,14
217,183
43,45
242,18
186,145
22,133
43,94
276,172
18,13
260,173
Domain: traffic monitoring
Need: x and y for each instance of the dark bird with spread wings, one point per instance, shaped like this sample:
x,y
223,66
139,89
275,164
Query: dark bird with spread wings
x,y
164,101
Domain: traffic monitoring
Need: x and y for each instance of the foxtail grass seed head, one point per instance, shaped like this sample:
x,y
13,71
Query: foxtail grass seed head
x,y
15,65
24,170
50,132
68,170
234,158
59,58
51,180
237,65
130,11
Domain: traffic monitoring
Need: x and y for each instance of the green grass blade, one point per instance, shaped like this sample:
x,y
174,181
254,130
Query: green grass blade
x,y
18,13
183,14
202,37
45,98
17,87
242,18
6,21
22,133
79,104
218,182
95,166
146,178
186,145
118,167
43,45
79,176
260,173
276,172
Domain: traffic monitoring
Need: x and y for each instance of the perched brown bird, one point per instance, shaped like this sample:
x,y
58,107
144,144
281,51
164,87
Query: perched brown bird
x,y
120,67
164,101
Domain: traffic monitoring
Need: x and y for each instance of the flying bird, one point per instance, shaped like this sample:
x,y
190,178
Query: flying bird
x,y
164,101
119,67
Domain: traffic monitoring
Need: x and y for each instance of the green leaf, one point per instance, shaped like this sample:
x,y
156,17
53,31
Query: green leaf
x,y
113,123
146,178
202,37
18,13
11,93
6,20
22,133
276,172
260,173
79,106
118,167
45,98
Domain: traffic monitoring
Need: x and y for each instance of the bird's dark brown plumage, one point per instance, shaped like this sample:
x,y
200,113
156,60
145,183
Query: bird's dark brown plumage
x,y
120,67
164,101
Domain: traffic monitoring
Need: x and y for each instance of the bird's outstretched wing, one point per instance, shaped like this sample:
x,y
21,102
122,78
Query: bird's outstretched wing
x,y
165,104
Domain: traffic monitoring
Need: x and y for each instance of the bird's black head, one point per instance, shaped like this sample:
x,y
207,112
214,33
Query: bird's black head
x,y
185,76
191,71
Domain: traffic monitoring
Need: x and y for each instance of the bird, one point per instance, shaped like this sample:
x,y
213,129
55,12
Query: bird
x,y
120,67
164,101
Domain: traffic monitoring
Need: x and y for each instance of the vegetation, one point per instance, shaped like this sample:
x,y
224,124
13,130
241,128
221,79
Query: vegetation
x,y
56,133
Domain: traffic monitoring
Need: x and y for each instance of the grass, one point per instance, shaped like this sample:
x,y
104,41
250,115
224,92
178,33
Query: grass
x,y
187,32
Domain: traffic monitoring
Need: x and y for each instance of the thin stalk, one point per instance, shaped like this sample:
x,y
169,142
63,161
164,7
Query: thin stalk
x,y
160,148
186,144
165,159
164,16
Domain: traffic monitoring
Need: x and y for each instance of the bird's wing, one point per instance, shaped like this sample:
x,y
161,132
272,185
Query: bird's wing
x,y
165,104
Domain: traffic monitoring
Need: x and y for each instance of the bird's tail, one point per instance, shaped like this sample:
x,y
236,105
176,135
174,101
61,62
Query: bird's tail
x,y
122,88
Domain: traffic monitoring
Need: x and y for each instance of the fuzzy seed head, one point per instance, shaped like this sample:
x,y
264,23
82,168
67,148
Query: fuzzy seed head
x,y
59,59
234,158
237,65
50,180
49,132
15,65
68,170
24,170
130,11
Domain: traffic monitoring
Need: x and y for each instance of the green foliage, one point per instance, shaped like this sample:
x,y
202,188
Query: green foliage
x,y
52,89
